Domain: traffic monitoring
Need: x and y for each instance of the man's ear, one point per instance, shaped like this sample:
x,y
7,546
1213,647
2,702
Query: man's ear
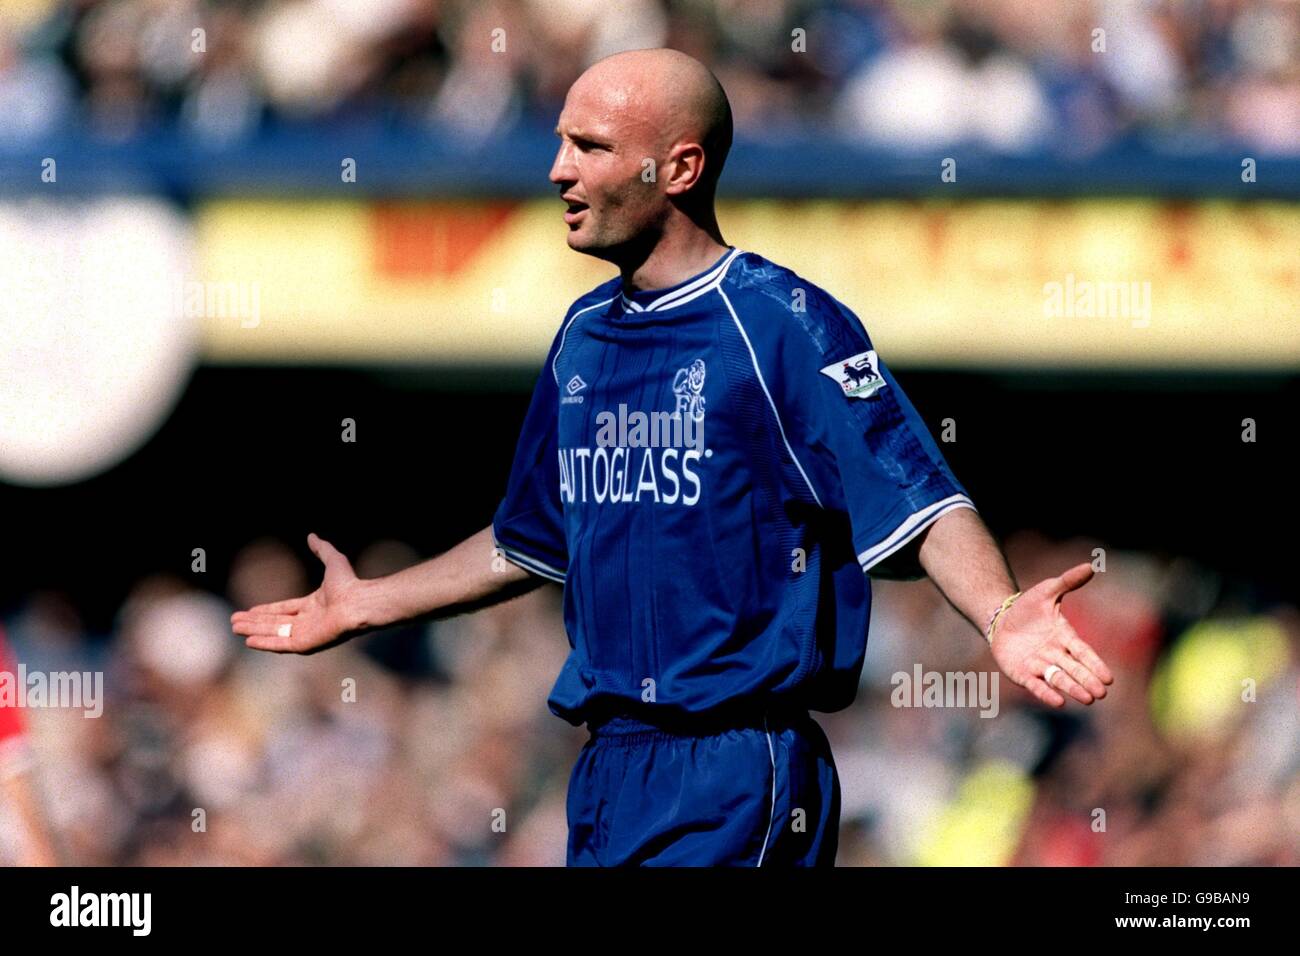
x,y
684,168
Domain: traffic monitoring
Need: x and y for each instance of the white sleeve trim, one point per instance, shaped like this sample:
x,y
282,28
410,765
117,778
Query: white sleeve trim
x,y
910,528
530,564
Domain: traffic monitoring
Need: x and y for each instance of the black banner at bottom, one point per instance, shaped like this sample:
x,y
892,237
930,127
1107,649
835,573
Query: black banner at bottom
x,y
376,906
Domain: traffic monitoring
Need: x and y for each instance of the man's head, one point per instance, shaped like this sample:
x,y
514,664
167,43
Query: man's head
x,y
643,138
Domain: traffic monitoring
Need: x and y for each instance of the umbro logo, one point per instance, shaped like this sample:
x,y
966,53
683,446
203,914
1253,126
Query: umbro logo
x,y
575,385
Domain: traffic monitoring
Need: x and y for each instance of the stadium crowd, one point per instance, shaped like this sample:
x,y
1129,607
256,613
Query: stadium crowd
x,y
1067,77
432,744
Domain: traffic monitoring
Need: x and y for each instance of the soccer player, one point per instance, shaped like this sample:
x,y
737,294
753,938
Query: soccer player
x,y
714,463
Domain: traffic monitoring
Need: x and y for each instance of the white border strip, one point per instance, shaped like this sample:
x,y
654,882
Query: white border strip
x,y
910,528
754,358
564,333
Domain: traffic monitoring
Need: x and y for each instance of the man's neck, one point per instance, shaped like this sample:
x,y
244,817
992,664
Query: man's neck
x,y
673,259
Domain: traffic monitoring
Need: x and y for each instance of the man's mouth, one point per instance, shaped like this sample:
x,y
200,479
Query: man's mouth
x,y
574,212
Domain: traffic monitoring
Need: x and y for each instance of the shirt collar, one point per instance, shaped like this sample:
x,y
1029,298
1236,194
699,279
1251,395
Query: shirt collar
x,y
654,300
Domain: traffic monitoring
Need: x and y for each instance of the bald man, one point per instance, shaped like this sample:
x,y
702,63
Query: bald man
x,y
714,464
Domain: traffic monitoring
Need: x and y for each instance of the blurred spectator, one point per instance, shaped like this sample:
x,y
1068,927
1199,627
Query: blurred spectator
x,y
1062,76
207,753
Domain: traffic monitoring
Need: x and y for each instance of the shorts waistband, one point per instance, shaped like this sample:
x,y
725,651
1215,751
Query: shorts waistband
x,y
672,721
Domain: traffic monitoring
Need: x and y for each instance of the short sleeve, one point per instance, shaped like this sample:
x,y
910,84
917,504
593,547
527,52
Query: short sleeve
x,y
528,525
868,452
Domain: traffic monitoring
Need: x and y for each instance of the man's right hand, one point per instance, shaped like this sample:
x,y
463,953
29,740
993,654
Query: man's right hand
x,y
305,625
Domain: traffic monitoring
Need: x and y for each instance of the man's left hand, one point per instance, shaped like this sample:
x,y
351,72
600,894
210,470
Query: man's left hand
x,y
1033,641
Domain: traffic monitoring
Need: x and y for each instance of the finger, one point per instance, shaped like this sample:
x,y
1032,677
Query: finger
x,y
264,625
1063,683
1077,647
258,618
1077,667
1081,674
1044,693
276,645
1073,579
291,606
323,549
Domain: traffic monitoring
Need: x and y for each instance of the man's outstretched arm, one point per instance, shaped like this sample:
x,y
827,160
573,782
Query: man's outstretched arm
x,y
965,563
471,575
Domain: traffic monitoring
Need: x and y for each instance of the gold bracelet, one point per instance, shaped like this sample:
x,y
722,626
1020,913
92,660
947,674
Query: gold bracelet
x,y
988,631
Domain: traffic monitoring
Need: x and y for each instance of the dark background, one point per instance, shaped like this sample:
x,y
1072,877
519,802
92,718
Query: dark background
x,y
1141,461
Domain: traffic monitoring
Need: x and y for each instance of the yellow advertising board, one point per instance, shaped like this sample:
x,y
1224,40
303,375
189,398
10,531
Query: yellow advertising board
x,y
977,283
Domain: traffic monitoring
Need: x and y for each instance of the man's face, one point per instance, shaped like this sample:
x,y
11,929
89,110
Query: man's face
x,y
604,146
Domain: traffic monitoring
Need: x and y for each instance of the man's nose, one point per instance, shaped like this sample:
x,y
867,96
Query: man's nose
x,y
563,169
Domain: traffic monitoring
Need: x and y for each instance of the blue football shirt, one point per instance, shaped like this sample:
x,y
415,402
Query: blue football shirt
x,y
713,471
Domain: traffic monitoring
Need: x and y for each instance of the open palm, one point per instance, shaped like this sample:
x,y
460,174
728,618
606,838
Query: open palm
x,y
307,624
1033,637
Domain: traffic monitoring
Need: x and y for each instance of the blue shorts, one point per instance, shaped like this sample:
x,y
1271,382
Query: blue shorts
x,y
760,791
